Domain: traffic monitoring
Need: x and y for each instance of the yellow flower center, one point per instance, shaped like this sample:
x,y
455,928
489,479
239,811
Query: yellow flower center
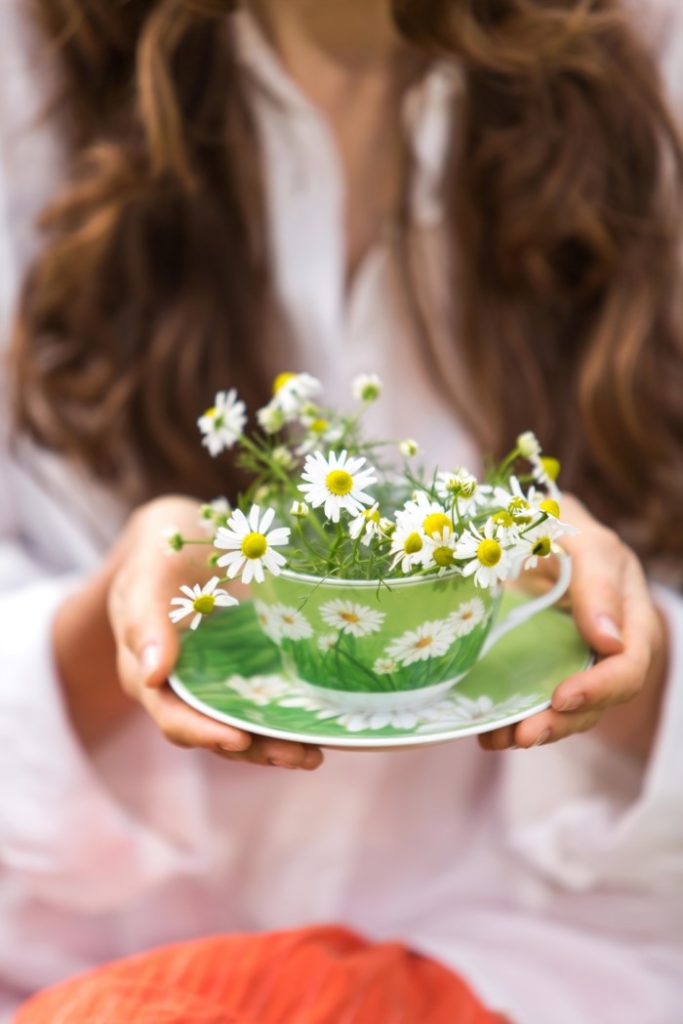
x,y
518,505
550,507
319,426
424,641
281,380
412,544
504,519
204,604
443,557
551,467
339,482
254,545
349,617
542,547
211,412
372,515
437,522
489,553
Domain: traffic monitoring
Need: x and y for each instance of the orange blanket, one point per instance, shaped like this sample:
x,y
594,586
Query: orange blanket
x,y
323,975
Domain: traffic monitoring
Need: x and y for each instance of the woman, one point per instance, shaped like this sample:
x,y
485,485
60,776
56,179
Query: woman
x,y
481,201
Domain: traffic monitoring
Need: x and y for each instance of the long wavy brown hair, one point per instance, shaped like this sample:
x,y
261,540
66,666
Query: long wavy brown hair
x,y
153,286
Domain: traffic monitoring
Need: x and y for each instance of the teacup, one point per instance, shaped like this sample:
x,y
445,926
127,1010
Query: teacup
x,y
366,645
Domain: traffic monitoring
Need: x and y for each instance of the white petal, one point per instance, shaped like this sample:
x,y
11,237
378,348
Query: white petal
x,y
266,520
196,620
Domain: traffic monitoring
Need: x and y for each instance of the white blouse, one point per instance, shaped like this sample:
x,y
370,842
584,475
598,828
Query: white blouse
x,y
553,878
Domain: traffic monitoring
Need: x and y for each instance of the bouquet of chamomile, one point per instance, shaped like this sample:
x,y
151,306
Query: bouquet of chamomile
x,y
327,502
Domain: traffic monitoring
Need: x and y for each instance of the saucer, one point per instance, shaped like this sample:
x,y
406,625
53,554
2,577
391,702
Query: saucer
x,y
230,671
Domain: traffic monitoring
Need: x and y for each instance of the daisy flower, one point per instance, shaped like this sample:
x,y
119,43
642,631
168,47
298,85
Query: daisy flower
x,y
459,485
270,419
320,433
367,387
223,424
409,547
200,601
250,545
467,617
487,560
260,690
430,640
327,641
337,482
408,448
349,617
292,391
424,514
214,513
289,623
440,551
172,540
528,445
384,666
366,525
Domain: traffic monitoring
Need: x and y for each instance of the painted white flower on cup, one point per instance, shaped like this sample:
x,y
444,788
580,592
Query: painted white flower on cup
x,y
385,666
327,641
260,690
267,620
337,483
289,623
353,618
467,617
223,424
251,545
200,602
430,640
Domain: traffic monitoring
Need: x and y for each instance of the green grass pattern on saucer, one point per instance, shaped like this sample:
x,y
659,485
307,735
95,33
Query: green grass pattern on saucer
x,y
229,670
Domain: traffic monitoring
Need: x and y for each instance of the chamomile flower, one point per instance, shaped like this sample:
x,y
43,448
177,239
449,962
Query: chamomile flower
x,y
459,485
299,509
172,540
337,482
223,424
353,618
487,559
270,418
320,432
467,617
292,391
215,513
282,457
367,387
408,448
366,525
409,546
528,445
200,601
430,640
250,545
424,515
441,551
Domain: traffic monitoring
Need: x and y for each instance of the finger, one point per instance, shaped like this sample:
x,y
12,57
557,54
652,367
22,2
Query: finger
x,y
596,589
288,756
550,726
185,727
142,628
617,679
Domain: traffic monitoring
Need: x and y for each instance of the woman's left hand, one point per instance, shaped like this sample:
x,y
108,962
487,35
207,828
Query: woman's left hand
x,y
613,609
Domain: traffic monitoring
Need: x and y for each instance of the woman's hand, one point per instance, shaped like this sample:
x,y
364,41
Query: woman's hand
x,y
615,614
134,590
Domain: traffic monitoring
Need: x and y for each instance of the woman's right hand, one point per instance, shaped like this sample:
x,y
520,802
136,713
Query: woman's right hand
x,y
135,587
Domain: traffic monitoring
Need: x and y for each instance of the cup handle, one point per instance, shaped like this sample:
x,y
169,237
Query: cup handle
x,y
527,611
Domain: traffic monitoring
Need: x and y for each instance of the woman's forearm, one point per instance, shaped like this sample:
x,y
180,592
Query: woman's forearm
x,y
85,656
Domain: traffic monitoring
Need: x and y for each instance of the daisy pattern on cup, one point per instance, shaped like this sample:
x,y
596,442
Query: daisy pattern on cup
x,y
430,640
290,623
467,617
350,617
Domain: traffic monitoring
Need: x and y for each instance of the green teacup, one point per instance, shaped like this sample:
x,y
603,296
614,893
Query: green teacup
x,y
364,645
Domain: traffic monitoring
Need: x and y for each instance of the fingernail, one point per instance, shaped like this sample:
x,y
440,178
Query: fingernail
x,y
313,759
150,659
282,764
573,703
543,738
608,626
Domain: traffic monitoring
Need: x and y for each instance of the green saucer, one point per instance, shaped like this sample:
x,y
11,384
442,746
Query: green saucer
x,y
231,672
